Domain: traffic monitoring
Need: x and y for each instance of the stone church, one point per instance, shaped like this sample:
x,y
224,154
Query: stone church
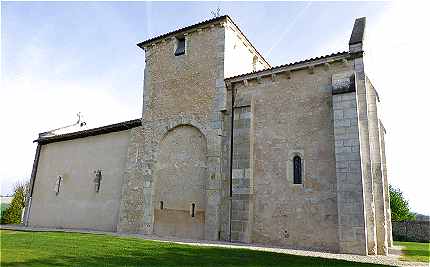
x,y
229,148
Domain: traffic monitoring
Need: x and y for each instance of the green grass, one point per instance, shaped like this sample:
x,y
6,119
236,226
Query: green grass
x,y
19,248
414,251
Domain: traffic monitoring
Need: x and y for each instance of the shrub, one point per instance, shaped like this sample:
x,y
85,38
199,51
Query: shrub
x,y
399,206
12,215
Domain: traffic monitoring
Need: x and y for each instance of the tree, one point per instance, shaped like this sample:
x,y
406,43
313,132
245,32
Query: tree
x,y
12,215
399,206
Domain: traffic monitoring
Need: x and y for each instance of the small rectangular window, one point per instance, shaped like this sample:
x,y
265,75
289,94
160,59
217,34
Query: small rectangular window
x,y
161,205
180,46
193,207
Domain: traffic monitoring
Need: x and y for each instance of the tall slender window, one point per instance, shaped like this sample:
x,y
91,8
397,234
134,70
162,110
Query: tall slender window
x,y
297,164
98,179
193,207
58,185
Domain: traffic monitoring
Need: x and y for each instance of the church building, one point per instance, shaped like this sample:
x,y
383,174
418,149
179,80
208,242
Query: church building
x,y
229,148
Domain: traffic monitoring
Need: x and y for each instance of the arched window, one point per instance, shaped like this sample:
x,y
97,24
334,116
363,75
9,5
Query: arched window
x,y
297,166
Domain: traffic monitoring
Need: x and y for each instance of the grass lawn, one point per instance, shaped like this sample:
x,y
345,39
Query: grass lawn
x,y
19,248
414,251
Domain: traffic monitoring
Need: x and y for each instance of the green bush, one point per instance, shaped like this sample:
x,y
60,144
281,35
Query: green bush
x,y
12,215
399,206
3,208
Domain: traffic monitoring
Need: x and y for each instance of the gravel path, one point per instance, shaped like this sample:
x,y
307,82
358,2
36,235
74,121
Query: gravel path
x,y
392,259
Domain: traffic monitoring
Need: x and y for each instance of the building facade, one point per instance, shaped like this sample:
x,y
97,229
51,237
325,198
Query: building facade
x,y
229,148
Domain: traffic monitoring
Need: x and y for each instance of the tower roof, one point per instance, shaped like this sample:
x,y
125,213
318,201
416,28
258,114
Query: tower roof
x,y
181,30
200,25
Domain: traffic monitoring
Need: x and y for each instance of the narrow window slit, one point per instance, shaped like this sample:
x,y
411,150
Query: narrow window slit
x,y
193,207
98,179
161,205
58,185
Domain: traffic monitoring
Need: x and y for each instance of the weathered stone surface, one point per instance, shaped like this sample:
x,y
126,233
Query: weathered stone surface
x,y
187,91
379,188
241,178
386,186
289,117
350,195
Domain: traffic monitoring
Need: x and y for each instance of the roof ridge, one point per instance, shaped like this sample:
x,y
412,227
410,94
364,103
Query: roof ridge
x,y
292,64
115,127
141,44
209,21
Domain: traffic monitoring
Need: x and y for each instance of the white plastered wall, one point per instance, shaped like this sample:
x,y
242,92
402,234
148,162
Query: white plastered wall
x,y
77,204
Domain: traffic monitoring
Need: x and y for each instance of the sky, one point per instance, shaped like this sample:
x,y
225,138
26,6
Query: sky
x,y
60,58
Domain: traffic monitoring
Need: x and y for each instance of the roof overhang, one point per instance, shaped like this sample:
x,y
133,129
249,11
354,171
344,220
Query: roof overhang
x,y
117,127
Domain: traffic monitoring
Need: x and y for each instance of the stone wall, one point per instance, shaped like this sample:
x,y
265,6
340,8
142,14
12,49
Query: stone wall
x,y
386,185
179,90
366,170
350,195
241,176
238,59
212,162
184,90
132,200
379,187
291,114
412,231
181,166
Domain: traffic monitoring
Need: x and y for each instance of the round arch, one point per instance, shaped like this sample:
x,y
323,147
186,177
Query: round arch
x,y
180,172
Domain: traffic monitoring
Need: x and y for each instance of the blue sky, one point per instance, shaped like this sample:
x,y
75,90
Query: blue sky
x,y
59,58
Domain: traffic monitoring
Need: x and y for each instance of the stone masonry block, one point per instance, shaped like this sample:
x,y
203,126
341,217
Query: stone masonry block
x,y
349,113
342,123
237,226
338,115
247,173
237,173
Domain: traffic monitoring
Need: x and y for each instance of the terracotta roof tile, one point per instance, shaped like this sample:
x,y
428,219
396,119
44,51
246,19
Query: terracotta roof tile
x,y
345,53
